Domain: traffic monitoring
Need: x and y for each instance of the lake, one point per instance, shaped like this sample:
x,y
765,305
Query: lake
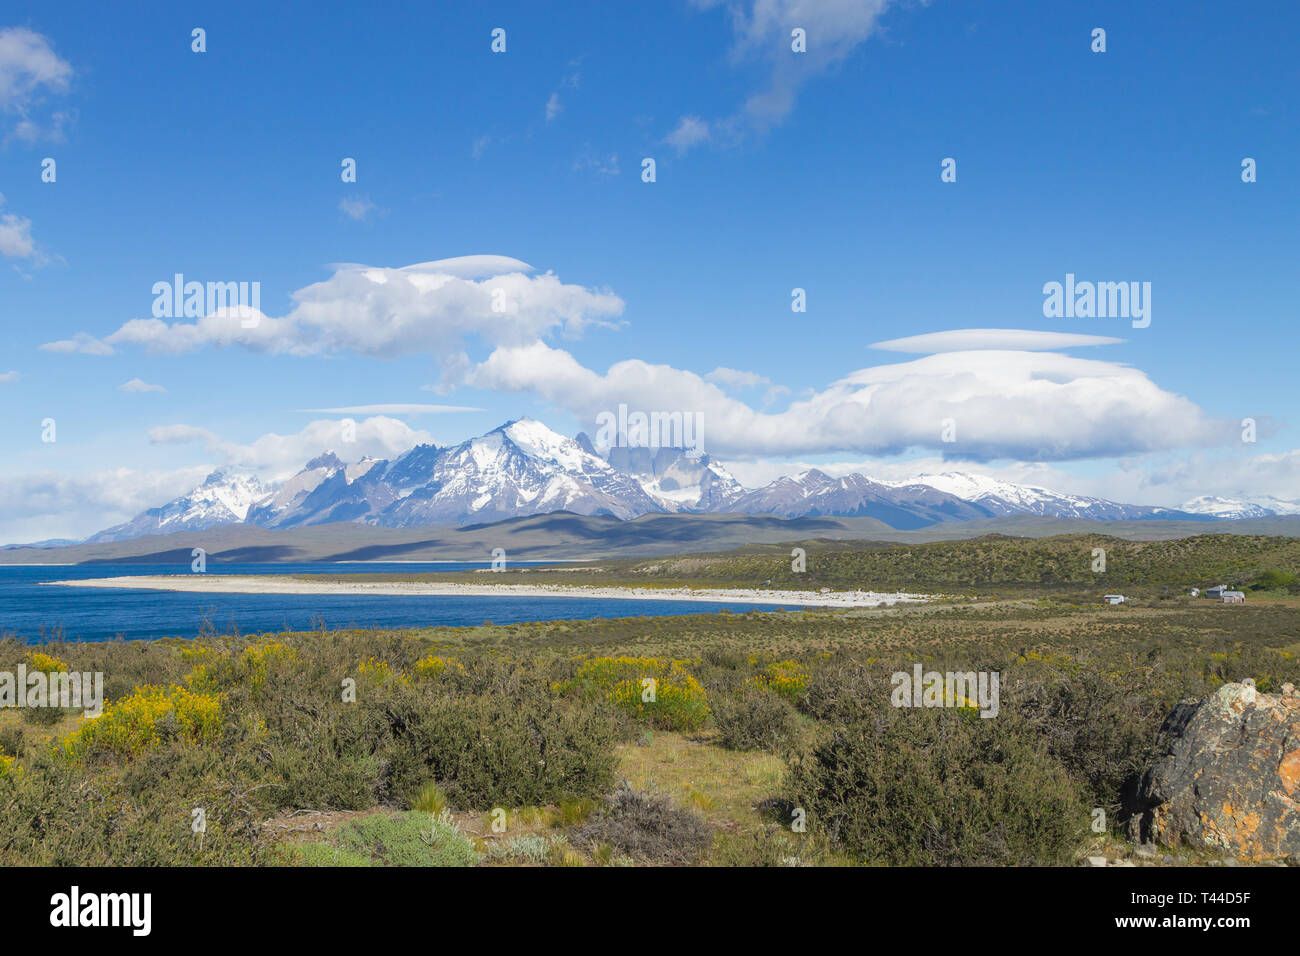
x,y
33,612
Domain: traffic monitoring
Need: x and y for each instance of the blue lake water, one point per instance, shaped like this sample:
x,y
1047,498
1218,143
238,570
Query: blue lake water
x,y
32,611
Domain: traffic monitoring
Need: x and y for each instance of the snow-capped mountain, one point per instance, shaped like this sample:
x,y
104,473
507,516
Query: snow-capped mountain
x,y
225,497
327,490
674,480
814,493
1230,508
521,468
1278,506
524,468
1007,498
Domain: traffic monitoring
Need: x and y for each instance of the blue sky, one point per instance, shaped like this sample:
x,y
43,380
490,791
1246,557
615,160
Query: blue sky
x,y
816,170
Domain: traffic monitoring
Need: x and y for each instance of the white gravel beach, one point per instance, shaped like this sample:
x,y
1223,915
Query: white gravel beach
x,y
284,584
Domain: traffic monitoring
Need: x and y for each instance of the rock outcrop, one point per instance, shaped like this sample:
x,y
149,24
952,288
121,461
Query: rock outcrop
x,y
1229,778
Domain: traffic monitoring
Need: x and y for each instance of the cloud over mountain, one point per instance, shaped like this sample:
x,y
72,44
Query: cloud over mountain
x,y
274,456
431,308
1037,406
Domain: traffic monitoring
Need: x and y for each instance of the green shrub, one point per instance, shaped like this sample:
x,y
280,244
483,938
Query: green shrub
x,y
841,691
12,741
1101,732
54,814
491,751
314,776
406,839
754,719
1274,581
325,854
940,787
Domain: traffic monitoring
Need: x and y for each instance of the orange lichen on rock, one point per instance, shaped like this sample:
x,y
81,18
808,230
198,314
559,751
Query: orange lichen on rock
x,y
1229,774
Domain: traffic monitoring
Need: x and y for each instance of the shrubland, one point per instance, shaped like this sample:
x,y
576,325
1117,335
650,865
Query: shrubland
x,y
413,743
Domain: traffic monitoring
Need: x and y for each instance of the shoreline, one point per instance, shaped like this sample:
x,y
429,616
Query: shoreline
x,y
284,584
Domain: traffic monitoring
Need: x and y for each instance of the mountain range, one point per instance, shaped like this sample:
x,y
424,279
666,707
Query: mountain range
x,y
524,468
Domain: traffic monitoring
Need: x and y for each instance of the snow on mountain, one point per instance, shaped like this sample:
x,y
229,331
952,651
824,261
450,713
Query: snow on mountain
x,y
814,493
410,469
359,469
524,468
1007,498
326,490
1278,506
674,480
225,497
1230,508
521,468
293,492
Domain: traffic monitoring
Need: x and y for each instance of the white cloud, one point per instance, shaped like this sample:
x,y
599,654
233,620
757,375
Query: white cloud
x,y
1036,406
16,236
690,131
762,34
601,165
393,410
30,71
571,81
1235,473
138,385
736,379
961,340
277,456
8,377
35,507
430,307
82,343
180,434
357,208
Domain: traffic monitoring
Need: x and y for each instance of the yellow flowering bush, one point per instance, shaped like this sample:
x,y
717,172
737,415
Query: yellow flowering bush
x,y
8,769
376,672
257,661
433,666
37,661
133,724
788,679
1049,658
659,691
194,653
201,679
